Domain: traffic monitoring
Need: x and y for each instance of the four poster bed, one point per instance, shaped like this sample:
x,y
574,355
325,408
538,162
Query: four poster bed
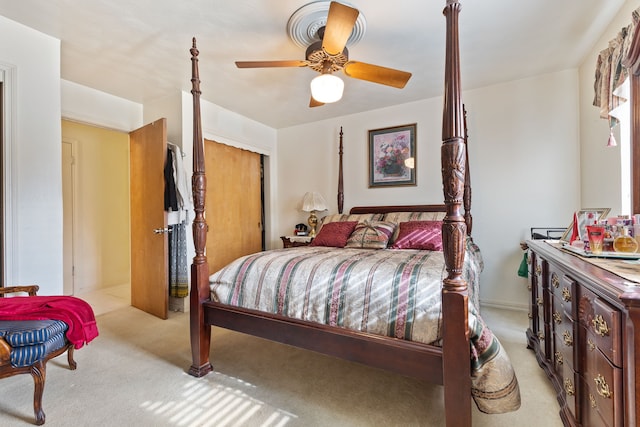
x,y
427,326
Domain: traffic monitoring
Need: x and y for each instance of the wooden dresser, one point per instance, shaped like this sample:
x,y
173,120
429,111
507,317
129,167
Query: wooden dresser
x,y
585,331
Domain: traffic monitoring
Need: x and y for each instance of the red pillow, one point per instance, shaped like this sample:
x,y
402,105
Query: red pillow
x,y
334,234
419,235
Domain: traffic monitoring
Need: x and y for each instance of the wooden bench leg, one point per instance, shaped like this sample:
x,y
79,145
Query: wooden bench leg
x,y
72,363
38,372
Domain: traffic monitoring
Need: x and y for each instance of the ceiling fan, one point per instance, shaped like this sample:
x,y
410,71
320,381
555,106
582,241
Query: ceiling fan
x,y
330,54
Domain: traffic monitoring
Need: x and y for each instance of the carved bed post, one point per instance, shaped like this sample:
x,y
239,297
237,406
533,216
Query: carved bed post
x,y
340,179
455,344
468,219
200,332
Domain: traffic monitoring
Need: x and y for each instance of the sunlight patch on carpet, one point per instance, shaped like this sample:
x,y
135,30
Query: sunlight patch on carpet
x,y
212,402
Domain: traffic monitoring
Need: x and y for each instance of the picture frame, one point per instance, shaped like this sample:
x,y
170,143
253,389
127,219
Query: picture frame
x,y
392,154
583,216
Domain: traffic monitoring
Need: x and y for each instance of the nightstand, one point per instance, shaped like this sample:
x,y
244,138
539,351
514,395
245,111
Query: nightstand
x,y
293,241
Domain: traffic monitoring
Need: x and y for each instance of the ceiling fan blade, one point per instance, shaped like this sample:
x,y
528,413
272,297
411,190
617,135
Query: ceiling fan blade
x,y
314,103
340,22
376,74
268,64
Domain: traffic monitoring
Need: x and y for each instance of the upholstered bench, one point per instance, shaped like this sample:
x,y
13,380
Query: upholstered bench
x,y
32,340
27,345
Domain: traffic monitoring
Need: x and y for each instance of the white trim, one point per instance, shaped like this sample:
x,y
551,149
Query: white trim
x,y
73,143
505,305
10,232
234,142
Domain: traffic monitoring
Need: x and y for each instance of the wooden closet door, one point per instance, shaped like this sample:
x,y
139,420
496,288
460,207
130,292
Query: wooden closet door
x,y
149,249
234,203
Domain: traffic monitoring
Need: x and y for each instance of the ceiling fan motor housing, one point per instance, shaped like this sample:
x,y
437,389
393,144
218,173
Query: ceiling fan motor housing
x,y
317,57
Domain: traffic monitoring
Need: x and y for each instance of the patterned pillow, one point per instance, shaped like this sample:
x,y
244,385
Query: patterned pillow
x,y
349,217
398,217
371,235
419,235
334,234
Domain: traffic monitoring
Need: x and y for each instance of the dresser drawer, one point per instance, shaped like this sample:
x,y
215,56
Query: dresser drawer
x,y
590,416
562,354
602,321
537,312
563,288
569,381
602,386
565,334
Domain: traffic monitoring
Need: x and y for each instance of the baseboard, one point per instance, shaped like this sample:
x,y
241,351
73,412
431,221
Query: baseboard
x,y
504,305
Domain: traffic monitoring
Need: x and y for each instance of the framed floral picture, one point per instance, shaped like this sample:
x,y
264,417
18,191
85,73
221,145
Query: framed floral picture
x,y
392,154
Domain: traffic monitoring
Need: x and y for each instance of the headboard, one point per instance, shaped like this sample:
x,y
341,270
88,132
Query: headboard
x,y
407,208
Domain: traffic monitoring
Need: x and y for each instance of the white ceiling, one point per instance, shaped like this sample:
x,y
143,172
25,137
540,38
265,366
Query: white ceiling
x,y
139,50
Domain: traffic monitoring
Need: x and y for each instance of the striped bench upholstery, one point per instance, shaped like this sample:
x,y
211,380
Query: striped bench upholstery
x,y
32,340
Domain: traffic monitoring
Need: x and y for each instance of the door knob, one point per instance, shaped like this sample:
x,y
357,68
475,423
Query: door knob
x,y
162,230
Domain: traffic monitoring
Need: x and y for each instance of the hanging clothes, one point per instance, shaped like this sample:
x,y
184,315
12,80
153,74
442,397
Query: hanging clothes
x,y
170,192
178,202
182,186
178,268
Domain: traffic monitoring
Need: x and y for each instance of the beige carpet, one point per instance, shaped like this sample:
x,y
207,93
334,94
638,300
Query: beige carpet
x,y
133,374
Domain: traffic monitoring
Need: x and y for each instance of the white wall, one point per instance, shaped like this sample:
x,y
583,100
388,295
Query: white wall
x,y
34,198
524,155
601,167
523,145
86,105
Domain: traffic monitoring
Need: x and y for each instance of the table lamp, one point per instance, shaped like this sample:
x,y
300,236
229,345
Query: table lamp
x,y
313,202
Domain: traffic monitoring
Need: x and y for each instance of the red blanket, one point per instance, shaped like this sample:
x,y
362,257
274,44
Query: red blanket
x,y
76,313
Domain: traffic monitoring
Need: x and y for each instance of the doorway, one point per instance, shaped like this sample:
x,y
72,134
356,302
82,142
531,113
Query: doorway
x,y
96,208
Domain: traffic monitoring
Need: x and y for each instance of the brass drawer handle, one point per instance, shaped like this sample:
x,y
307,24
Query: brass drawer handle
x,y
600,325
568,387
556,317
566,294
540,335
554,280
538,269
559,358
592,400
529,315
568,339
591,345
539,301
602,387
528,287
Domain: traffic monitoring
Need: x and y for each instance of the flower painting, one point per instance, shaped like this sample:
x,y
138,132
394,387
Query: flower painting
x,y
392,154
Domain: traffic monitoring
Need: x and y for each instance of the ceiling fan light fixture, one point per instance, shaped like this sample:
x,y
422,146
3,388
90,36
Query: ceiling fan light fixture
x,y
327,88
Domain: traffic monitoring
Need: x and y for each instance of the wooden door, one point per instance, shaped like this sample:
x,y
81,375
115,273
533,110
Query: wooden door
x,y
234,203
149,243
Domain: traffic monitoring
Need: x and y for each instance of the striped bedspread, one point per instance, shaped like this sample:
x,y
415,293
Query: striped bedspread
x,y
394,293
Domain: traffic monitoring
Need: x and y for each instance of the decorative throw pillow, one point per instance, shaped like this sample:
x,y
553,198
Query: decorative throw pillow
x,y
398,217
334,234
371,235
419,235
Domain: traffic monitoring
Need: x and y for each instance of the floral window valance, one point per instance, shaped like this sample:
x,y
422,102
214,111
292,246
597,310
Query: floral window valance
x,y
612,71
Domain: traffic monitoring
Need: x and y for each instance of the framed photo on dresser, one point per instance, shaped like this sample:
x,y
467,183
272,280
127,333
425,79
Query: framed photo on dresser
x,y
584,217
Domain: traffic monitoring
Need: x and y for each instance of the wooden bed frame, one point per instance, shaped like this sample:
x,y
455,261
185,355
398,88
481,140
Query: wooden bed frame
x,y
448,365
